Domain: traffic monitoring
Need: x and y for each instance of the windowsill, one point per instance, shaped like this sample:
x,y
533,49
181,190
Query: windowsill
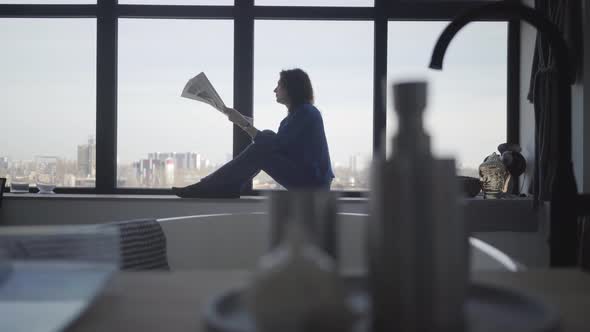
x,y
95,197
242,199
514,215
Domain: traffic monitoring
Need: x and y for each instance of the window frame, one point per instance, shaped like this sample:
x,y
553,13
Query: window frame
x,y
244,13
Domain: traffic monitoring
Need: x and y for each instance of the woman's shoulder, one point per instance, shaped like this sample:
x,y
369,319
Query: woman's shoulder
x,y
310,109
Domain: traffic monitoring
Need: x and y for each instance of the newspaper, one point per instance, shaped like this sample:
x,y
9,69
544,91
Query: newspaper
x,y
200,88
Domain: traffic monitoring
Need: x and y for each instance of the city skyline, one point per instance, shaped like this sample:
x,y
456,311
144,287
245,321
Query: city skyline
x,y
160,170
156,170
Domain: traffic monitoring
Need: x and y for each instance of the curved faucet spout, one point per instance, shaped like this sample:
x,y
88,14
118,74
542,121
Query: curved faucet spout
x,y
506,11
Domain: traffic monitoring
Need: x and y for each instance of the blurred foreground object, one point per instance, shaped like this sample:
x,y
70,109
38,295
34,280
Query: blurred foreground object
x,y
417,242
297,287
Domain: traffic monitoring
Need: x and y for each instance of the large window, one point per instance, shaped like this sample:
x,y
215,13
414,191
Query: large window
x,y
96,103
48,101
339,60
165,140
466,112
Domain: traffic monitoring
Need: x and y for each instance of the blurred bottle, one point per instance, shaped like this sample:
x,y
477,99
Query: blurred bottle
x,y
417,242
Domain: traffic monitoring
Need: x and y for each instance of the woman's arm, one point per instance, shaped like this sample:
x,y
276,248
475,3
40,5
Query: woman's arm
x,y
239,120
250,130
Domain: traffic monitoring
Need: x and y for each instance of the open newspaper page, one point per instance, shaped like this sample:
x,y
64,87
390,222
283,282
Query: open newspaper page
x,y
200,88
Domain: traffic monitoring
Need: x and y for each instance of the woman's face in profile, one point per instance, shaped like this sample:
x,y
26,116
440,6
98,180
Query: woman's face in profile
x,y
281,94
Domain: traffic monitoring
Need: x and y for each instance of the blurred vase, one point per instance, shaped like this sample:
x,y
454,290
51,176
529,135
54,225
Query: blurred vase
x,y
19,185
493,175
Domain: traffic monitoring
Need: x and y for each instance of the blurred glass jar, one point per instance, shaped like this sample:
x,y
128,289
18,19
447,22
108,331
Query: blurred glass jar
x,y
19,184
46,173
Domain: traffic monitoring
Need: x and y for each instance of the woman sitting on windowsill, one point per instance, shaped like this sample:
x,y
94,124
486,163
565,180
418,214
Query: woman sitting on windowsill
x,y
296,157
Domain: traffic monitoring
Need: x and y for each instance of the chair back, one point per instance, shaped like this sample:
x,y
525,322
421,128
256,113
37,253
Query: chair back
x,y
142,244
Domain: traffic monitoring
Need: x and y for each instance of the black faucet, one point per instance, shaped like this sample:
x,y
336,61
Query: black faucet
x,y
564,199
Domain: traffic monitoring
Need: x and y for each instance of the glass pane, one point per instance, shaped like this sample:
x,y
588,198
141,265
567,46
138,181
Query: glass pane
x,y
338,56
466,113
316,3
165,140
48,100
47,2
178,2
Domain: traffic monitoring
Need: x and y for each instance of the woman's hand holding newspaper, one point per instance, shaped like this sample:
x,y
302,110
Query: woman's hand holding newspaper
x,y
241,121
237,118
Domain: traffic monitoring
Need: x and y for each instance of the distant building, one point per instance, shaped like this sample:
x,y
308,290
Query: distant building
x,y
69,180
85,182
181,160
4,163
148,172
353,163
167,168
186,160
169,172
87,159
198,162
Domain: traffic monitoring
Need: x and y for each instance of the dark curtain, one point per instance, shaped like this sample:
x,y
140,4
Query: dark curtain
x,y
543,90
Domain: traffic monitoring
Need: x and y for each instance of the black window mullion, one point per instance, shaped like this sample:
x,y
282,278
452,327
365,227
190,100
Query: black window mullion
x,y
175,11
379,79
428,11
513,83
106,97
513,90
47,11
313,13
243,69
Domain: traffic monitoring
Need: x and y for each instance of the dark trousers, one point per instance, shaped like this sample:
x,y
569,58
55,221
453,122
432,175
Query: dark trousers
x,y
232,176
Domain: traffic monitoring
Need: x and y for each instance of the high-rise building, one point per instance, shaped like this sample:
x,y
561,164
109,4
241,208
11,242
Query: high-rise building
x,y
353,163
163,156
148,172
4,163
87,159
169,172
181,160
198,162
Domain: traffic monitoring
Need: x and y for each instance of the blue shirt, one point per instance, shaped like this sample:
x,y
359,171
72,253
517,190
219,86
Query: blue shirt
x,y
301,139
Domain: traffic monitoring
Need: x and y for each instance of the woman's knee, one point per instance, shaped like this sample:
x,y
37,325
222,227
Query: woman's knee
x,y
260,146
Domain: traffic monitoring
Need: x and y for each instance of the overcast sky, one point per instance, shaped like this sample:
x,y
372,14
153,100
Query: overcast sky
x,y
48,66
